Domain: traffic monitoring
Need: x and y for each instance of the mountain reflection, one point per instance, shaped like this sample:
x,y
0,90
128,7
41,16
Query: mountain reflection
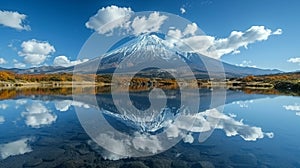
x,y
137,131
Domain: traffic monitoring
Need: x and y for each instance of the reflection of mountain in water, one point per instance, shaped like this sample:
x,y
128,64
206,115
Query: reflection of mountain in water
x,y
142,128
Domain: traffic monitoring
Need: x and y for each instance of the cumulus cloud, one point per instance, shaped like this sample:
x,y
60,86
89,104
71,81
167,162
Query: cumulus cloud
x,y
13,20
3,61
18,147
3,106
64,105
112,17
2,119
217,47
109,18
294,60
145,25
65,62
182,10
246,63
37,115
35,52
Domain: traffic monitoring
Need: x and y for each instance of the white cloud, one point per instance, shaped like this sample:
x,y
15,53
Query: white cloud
x,y
216,48
18,147
19,65
239,39
13,20
65,62
35,52
182,10
37,115
109,18
278,32
294,60
2,119
3,61
145,25
64,105
246,63
3,106
112,17
190,29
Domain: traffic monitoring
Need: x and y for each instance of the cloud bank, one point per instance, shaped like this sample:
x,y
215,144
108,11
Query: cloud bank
x,y
100,21
35,52
65,62
13,20
294,60
112,17
217,47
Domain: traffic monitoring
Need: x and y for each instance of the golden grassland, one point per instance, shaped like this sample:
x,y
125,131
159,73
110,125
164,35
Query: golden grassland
x,y
12,84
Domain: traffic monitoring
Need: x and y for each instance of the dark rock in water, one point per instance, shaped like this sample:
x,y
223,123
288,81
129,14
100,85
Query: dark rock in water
x,y
211,152
47,141
83,151
208,164
81,137
179,164
191,157
51,154
33,162
135,164
244,159
71,164
159,163
197,165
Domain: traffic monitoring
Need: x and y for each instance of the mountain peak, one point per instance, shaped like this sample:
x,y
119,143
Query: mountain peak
x,y
142,42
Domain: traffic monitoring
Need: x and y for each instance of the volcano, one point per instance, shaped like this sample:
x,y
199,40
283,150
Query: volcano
x,y
152,49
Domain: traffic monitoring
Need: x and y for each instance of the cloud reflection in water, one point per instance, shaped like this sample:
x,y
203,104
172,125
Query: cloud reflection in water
x,y
18,147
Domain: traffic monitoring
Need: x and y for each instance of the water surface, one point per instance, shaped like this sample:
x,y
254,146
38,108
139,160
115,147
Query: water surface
x,y
253,130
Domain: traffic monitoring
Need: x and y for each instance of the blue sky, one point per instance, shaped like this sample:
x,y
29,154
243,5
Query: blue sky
x,y
57,29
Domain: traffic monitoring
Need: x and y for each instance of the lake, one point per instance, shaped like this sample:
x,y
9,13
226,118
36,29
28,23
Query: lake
x,y
52,128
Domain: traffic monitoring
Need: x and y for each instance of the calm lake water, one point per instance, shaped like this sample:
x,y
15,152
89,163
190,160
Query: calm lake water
x,y
253,130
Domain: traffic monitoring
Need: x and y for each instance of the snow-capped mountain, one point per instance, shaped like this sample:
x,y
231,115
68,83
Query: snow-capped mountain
x,y
150,49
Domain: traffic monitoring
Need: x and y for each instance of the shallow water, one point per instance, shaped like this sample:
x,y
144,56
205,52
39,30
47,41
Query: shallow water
x,y
253,130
